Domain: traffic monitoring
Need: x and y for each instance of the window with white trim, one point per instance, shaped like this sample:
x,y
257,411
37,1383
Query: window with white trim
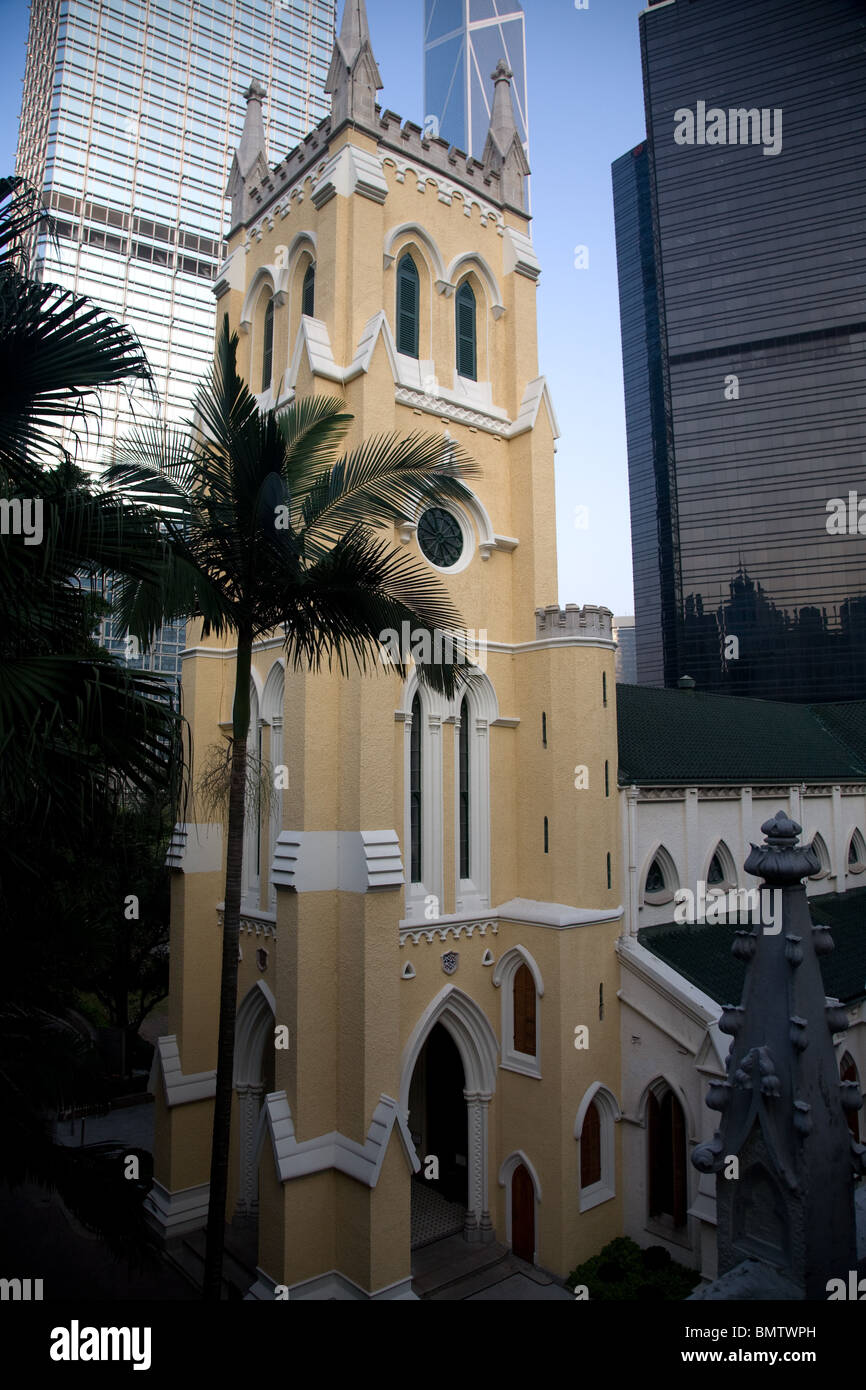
x,y
596,1136
519,978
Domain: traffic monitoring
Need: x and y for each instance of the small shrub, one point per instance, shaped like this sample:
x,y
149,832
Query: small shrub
x,y
623,1272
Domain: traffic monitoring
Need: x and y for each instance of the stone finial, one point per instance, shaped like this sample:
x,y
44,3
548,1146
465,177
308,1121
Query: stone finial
x,y
353,77
782,860
250,163
503,150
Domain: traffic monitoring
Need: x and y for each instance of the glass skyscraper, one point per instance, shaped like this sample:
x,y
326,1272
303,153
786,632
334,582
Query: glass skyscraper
x,y
463,42
130,116
742,269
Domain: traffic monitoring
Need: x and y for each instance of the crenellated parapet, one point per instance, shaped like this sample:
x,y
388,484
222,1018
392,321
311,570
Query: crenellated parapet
x,y
574,621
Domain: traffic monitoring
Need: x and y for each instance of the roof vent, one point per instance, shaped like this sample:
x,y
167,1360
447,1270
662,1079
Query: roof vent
x,y
685,683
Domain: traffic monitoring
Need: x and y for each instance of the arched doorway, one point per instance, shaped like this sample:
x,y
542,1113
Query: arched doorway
x,y
254,1068
471,1034
522,1214
438,1125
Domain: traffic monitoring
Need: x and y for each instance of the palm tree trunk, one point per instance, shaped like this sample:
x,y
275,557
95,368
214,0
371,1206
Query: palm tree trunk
x,y
219,1169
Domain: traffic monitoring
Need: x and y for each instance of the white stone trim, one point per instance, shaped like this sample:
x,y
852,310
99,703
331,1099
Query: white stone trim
x,y
609,1114
330,1287
363,1162
518,254
472,261
180,1089
351,170
415,232
432,883
174,1214
199,853
503,978
558,915
535,393
506,1173
352,861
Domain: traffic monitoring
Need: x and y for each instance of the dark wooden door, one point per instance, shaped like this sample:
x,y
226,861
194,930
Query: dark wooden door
x,y
523,1214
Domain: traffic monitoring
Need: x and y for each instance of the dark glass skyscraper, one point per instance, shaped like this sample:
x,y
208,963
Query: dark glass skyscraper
x,y
742,268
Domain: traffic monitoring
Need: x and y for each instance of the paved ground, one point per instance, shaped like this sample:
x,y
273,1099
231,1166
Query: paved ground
x,y
453,1270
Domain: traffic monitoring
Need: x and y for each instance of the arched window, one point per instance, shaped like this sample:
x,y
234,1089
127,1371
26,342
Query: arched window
x,y
820,848
597,1115
408,307
308,293
661,880
465,838
666,1127
848,1072
516,973
590,1147
856,853
466,351
524,1011
268,345
415,791
715,873
721,870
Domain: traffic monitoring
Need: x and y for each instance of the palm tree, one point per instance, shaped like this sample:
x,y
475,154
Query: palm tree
x,y
268,527
76,727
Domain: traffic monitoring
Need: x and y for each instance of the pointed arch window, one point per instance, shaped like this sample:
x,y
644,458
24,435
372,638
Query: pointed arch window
x,y
590,1147
415,791
268,345
668,1191
856,853
524,1011
408,306
466,335
465,837
308,293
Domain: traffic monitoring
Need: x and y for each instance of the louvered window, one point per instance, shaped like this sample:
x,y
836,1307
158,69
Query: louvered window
x,y
415,791
464,789
466,353
308,298
408,293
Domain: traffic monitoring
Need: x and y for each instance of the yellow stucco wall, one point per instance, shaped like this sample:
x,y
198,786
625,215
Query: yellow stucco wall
x,y
335,966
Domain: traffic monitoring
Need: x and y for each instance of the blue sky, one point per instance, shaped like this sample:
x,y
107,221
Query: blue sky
x,y
585,109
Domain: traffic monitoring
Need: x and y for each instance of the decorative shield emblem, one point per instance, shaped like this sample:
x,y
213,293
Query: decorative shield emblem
x,y
450,961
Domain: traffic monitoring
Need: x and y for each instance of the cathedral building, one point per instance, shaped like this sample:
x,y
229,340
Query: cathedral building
x,y
432,904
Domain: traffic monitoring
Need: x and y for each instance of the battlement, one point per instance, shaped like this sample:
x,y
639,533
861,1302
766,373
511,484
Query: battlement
x,y
573,621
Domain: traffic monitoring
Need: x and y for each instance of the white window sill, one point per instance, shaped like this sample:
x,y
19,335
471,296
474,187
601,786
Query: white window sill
x,y
522,1064
595,1195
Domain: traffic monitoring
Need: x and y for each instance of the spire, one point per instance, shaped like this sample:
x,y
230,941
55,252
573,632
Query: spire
x,y
353,77
250,163
788,1201
503,149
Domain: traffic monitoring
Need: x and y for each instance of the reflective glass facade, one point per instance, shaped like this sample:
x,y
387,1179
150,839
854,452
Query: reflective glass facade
x,y
130,116
743,306
463,42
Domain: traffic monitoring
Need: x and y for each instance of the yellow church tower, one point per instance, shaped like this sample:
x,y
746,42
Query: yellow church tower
x,y
431,905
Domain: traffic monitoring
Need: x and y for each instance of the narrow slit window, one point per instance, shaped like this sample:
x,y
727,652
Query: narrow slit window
x,y
308,296
268,346
465,864
415,791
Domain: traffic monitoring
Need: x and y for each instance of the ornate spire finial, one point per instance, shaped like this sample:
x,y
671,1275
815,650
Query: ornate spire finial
x,y
353,77
503,150
250,162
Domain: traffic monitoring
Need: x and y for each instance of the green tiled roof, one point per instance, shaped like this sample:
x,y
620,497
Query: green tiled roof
x,y
702,953
690,737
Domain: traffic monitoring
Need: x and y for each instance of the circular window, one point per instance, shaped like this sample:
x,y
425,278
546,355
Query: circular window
x,y
440,537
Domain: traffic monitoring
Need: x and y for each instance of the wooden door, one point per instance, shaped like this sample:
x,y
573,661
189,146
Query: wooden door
x,y
523,1215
